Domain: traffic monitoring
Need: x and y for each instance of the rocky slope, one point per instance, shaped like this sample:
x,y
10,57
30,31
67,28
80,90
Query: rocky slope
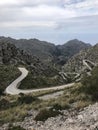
x,y
75,64
87,119
11,55
71,48
40,75
72,119
41,59
8,73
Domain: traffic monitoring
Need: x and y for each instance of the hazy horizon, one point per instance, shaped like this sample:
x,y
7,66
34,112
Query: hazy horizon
x,y
49,41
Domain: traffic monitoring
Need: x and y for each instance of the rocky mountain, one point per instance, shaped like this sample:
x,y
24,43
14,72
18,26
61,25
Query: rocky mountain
x,y
48,52
42,59
71,48
43,50
75,64
28,111
40,74
10,54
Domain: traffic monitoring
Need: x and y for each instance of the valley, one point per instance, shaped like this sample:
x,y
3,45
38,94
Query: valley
x,y
42,84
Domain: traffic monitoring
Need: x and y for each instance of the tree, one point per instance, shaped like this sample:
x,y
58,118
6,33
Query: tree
x,y
90,84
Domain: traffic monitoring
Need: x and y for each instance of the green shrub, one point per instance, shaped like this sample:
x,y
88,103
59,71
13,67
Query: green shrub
x,y
40,81
90,84
7,75
57,106
4,104
60,107
45,114
16,128
1,91
27,99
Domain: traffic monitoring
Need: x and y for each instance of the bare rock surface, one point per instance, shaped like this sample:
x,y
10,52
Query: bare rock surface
x,y
86,119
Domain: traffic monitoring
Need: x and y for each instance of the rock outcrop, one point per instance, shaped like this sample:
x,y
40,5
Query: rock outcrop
x,y
86,119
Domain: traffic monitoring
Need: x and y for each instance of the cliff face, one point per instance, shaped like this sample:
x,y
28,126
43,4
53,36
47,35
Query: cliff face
x,y
9,54
75,64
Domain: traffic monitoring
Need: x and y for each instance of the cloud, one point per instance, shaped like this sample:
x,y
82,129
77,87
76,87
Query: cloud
x,y
81,25
83,7
22,24
46,11
43,13
39,16
30,2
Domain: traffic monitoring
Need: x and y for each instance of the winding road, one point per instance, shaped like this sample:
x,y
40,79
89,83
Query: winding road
x,y
65,76
87,63
12,89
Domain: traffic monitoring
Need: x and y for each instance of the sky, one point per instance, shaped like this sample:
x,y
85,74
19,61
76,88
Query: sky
x,y
55,21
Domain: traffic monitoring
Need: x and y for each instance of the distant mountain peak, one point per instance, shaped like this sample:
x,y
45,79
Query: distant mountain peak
x,y
48,52
75,40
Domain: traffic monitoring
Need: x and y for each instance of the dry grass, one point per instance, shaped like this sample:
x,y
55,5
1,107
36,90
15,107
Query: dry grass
x,y
71,98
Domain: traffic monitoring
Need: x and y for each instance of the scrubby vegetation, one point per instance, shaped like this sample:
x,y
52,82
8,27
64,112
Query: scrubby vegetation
x,y
7,75
16,128
45,114
41,74
19,105
90,84
41,81
77,97
16,108
26,99
20,100
72,98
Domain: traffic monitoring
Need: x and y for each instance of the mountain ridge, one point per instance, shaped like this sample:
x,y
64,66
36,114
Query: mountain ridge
x,y
40,74
48,52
